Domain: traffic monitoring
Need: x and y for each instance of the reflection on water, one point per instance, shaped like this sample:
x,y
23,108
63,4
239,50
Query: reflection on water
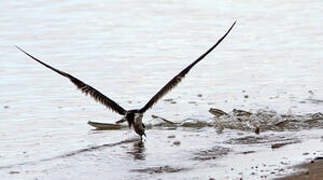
x,y
138,150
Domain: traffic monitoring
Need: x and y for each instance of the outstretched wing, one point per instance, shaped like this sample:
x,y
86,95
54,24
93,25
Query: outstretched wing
x,y
178,78
86,89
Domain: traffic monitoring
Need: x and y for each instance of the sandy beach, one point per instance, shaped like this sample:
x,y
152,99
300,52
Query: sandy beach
x,y
308,171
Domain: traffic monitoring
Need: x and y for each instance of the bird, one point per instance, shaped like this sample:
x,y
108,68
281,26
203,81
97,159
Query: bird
x,y
134,116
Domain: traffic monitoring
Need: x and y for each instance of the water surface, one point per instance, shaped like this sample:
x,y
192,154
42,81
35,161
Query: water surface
x,y
270,62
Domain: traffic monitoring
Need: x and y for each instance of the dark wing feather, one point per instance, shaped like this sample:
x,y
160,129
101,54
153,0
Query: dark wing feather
x,y
178,78
86,89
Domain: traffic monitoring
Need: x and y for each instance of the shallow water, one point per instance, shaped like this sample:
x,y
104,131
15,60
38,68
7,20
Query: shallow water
x,y
270,65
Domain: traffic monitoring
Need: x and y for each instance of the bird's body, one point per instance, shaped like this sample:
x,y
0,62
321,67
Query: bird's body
x,y
133,117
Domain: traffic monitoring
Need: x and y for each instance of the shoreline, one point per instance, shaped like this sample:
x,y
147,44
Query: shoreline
x,y
312,170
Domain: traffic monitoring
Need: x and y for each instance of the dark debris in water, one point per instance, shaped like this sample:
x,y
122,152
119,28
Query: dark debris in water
x,y
177,143
279,145
210,154
170,100
160,169
246,152
171,136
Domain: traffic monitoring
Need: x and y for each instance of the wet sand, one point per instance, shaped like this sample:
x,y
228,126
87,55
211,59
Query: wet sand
x,y
312,171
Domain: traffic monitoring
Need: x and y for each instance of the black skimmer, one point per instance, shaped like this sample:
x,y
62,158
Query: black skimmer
x,y
133,117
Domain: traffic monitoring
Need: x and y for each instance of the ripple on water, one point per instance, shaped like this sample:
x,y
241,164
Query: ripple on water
x,y
211,154
273,138
160,169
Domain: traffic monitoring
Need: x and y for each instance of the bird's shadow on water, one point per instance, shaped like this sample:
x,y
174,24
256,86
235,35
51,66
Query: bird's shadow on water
x,y
138,150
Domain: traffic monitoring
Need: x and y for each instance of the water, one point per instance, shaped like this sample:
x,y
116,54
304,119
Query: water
x,y
271,61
